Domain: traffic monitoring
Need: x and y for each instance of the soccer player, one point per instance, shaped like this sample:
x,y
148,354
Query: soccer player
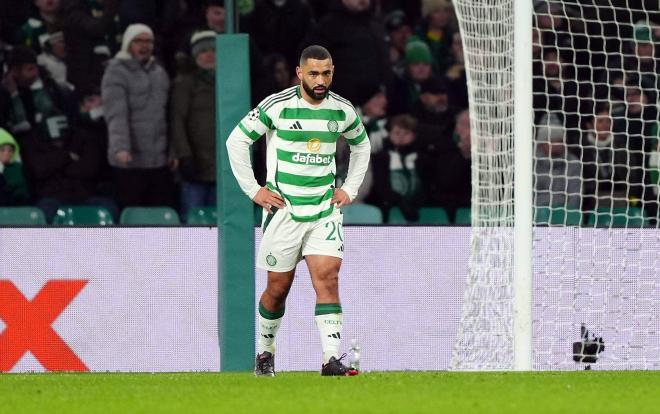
x,y
302,125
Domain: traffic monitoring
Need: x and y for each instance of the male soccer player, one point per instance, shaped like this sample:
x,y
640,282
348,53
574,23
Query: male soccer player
x,y
302,125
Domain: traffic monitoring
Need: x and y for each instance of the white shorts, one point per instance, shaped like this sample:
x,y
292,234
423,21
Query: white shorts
x,y
285,241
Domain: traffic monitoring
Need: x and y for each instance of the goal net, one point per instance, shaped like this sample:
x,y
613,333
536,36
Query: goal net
x,y
595,254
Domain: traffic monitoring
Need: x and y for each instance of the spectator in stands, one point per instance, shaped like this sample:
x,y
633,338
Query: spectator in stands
x,y
192,125
66,170
558,89
455,74
39,105
434,114
278,72
90,35
11,169
52,57
214,19
214,14
162,16
643,60
34,31
373,113
605,163
279,26
399,30
405,91
434,105
448,178
90,126
135,91
356,39
557,172
373,116
437,29
398,168
636,119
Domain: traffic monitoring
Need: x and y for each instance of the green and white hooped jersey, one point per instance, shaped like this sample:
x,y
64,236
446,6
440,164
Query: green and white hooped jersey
x,y
301,143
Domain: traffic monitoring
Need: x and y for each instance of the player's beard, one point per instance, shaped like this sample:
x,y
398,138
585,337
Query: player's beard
x,y
313,94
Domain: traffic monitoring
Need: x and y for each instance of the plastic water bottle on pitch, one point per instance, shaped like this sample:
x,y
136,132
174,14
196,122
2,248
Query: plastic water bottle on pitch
x,y
354,355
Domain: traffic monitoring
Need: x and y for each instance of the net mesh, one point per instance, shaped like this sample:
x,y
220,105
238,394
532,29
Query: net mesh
x,y
595,94
485,335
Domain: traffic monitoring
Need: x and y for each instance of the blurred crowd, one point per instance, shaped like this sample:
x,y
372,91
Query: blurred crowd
x,y
595,84
112,102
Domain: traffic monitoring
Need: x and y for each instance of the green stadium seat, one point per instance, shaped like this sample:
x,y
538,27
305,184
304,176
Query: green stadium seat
x,y
22,216
158,216
463,216
433,215
207,216
362,214
557,215
629,217
395,216
83,216
427,215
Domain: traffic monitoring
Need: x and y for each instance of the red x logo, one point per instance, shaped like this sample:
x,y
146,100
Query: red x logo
x,y
29,325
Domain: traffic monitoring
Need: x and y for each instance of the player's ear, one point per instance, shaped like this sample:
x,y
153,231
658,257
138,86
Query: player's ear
x,y
299,72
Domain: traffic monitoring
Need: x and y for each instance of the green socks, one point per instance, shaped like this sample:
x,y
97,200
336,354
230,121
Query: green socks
x,y
269,323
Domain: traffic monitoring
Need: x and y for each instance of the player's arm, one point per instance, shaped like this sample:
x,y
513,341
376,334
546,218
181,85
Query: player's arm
x,y
358,163
249,130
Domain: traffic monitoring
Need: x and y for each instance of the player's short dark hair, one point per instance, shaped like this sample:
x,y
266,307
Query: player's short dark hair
x,y
314,52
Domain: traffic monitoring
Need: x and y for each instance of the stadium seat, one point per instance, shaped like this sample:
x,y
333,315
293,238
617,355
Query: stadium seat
x,y
362,214
463,216
22,216
617,217
83,216
427,215
207,216
158,216
557,215
395,216
433,215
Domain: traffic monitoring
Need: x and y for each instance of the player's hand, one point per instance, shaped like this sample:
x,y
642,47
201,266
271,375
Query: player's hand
x,y
267,199
340,198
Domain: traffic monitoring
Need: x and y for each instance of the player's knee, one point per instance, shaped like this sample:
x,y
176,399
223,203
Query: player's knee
x,y
278,292
330,281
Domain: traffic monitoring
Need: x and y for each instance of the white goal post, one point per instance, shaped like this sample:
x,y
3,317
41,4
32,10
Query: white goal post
x,y
565,158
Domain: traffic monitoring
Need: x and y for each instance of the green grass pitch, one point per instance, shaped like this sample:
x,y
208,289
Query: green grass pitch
x,y
375,392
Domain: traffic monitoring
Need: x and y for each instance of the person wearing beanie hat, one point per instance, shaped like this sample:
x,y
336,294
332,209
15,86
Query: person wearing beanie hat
x,y
11,169
137,43
418,52
406,87
202,48
438,26
399,30
558,172
134,92
192,124
53,55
